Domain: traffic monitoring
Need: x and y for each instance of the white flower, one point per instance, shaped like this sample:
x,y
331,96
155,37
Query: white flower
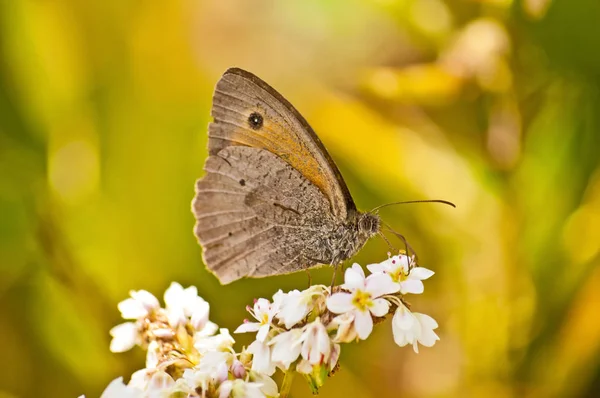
x,y
261,357
207,331
412,327
345,328
139,305
216,364
197,379
335,356
139,379
268,385
304,367
278,298
161,385
182,304
295,305
124,337
240,389
316,345
403,272
263,311
117,389
153,354
220,342
286,347
363,301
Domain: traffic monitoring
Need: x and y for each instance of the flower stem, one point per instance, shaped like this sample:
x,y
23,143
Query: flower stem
x,y
286,385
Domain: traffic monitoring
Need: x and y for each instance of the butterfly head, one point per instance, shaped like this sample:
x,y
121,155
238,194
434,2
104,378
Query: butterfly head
x,y
369,224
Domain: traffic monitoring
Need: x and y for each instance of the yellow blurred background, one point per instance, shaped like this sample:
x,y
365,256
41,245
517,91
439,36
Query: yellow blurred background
x,y
492,104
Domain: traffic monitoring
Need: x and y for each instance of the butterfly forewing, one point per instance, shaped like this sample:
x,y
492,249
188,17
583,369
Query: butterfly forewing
x,y
282,131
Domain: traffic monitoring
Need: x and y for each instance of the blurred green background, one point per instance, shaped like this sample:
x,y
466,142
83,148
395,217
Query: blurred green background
x,y
494,105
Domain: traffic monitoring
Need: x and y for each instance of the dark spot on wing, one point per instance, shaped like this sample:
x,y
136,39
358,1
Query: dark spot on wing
x,y
255,120
242,182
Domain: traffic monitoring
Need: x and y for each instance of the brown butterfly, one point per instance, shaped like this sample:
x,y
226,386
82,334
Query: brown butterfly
x,y
272,200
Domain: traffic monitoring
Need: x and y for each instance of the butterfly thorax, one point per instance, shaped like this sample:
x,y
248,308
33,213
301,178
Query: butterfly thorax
x,y
345,239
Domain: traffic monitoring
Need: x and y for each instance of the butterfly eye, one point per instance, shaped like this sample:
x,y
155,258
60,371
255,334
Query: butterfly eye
x,y
255,120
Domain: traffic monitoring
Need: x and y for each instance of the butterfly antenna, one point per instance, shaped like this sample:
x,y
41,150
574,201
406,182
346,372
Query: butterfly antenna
x,y
445,202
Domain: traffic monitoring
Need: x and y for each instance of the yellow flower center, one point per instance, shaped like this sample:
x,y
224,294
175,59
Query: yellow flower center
x,y
265,319
362,300
398,276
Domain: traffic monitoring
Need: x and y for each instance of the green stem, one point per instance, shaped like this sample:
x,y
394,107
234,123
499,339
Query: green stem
x,y
286,385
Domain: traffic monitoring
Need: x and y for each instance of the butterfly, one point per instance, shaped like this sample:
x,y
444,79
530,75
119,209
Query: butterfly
x,y
272,200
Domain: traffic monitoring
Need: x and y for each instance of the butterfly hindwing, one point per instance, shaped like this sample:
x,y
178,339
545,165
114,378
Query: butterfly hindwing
x,y
250,218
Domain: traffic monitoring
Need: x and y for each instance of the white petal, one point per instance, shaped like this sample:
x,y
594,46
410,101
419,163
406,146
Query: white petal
x,y
381,284
286,347
262,332
132,309
225,389
403,319
118,389
176,316
363,323
316,346
294,307
268,387
247,327
278,298
402,335
261,358
345,327
209,329
425,320
340,302
190,299
304,367
146,298
222,372
260,307
377,268
291,315
420,273
139,379
354,278
199,314
160,381
152,355
402,261
125,336
335,356
173,295
380,307
428,337
413,286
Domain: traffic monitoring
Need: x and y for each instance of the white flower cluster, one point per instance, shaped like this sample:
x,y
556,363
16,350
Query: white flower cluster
x,y
302,330
186,356
298,331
